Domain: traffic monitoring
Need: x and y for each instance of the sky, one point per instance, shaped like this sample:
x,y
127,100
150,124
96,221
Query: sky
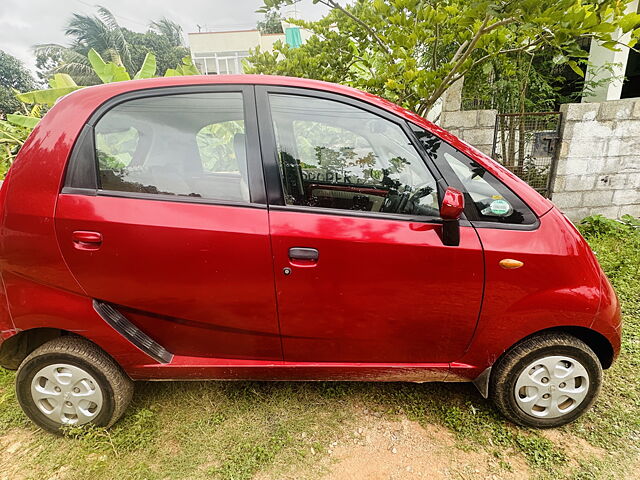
x,y
24,23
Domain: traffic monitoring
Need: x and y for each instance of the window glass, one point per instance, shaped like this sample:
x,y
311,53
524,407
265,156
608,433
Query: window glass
x,y
494,201
333,155
190,145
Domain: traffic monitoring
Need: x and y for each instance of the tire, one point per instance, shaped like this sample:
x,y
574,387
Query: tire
x,y
519,390
71,381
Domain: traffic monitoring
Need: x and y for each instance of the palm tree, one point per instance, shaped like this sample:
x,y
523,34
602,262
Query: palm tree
x,y
103,33
100,32
168,29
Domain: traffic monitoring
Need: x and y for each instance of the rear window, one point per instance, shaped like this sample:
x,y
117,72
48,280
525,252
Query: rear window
x,y
190,145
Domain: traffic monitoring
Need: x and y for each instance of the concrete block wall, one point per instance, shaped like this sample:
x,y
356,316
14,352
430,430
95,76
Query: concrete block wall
x,y
475,127
598,169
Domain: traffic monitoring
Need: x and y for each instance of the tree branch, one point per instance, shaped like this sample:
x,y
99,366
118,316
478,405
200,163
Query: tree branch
x,y
335,5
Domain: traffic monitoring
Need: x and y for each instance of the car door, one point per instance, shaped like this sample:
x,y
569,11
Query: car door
x,y
163,215
361,271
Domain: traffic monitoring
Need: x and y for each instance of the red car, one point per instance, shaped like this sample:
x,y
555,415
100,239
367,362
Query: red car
x,y
270,228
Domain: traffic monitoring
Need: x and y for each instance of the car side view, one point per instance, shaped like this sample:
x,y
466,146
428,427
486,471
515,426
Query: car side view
x,y
272,228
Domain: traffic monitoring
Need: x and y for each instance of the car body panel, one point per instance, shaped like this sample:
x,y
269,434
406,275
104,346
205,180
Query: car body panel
x,y
379,291
198,277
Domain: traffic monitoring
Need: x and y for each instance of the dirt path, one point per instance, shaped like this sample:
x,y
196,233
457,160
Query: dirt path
x,y
389,450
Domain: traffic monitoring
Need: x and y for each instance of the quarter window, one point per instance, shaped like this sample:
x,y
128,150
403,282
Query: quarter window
x,y
190,145
494,201
334,155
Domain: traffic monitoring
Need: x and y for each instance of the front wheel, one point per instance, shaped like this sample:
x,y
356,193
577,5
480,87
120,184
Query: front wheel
x,y
71,381
546,381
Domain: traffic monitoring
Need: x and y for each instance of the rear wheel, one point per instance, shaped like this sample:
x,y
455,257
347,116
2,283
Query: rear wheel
x,y
546,381
71,381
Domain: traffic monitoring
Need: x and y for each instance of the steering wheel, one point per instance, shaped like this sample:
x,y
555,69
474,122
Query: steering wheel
x,y
413,200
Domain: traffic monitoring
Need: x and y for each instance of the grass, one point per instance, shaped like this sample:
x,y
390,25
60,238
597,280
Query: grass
x,y
238,430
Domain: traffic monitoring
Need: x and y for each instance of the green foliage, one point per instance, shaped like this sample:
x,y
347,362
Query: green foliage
x,y
115,44
107,72
22,120
186,68
13,76
411,51
271,23
15,130
13,133
598,226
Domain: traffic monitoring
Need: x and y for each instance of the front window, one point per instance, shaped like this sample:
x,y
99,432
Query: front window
x,y
333,155
494,201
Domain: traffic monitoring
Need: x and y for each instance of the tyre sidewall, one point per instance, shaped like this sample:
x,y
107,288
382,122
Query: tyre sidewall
x,y
27,372
589,362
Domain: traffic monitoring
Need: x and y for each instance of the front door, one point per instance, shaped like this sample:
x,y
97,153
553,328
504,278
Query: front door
x,y
176,235
361,271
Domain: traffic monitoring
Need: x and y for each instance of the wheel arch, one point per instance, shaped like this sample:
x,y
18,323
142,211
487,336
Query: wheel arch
x,y
17,347
597,342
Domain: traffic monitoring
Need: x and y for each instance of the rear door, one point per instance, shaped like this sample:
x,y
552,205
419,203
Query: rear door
x,y
361,272
163,216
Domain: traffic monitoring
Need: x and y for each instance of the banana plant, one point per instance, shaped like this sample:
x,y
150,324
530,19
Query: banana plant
x,y
15,129
187,68
115,72
61,84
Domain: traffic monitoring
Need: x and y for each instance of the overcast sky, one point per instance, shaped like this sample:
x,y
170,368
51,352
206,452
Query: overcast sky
x,y
24,23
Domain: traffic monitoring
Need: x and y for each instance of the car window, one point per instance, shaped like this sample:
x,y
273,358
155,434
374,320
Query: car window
x,y
217,146
191,145
494,201
116,149
334,155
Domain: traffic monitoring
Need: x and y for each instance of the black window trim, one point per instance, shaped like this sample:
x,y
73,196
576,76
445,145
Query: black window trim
x,y
257,192
471,210
273,184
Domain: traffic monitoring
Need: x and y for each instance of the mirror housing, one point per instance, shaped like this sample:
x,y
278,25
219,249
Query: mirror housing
x,y
450,211
452,204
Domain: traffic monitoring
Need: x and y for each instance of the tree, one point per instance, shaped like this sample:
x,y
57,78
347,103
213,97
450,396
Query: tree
x,y
13,75
411,51
271,23
118,45
168,49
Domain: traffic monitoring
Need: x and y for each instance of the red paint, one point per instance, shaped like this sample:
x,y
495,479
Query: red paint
x,y
386,300
452,204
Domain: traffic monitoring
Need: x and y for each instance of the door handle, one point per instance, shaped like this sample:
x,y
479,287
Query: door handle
x,y
301,253
86,240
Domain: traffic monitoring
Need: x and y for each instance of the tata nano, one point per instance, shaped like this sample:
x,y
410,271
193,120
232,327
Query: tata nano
x,y
271,228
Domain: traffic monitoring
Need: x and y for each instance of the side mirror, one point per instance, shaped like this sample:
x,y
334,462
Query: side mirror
x,y
452,204
450,211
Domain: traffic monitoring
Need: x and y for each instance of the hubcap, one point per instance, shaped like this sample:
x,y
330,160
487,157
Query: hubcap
x,y
66,394
552,387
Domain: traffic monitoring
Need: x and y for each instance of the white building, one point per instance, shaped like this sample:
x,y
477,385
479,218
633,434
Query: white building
x,y
616,71
222,52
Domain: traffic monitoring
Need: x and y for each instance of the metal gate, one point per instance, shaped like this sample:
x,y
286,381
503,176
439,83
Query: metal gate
x,y
527,143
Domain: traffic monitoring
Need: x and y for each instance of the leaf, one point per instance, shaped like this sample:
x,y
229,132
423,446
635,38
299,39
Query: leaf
x,y
629,22
574,66
45,97
187,68
22,120
148,68
107,72
62,80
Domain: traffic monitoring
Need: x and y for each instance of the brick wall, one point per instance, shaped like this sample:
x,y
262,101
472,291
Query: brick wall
x,y
475,127
599,160
598,167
